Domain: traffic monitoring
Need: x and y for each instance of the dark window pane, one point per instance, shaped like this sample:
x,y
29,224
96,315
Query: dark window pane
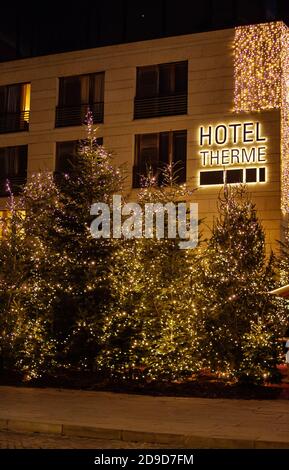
x,y
66,154
234,176
167,79
13,98
82,89
164,148
10,98
181,77
99,140
97,88
86,89
3,98
146,157
77,95
162,80
180,154
22,159
147,82
251,175
13,161
156,150
211,177
148,150
70,91
14,107
262,175
3,162
161,90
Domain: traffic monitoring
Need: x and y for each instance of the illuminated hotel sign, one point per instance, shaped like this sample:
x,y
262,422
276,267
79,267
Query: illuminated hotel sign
x,y
230,145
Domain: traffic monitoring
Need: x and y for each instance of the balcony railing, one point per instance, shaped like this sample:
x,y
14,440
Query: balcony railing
x,y
14,183
160,106
14,122
75,115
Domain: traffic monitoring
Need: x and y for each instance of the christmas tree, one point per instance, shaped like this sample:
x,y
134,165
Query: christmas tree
x,y
284,271
82,263
138,308
284,256
149,332
239,321
26,342
59,281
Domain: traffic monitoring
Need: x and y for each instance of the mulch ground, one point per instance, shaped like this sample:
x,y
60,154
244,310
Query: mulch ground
x,y
203,386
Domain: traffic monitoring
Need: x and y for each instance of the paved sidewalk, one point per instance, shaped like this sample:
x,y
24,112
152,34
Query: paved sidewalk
x,y
20,440
187,422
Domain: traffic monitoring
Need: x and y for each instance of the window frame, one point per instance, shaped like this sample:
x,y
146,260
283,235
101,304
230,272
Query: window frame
x,y
58,155
159,67
21,86
157,166
91,88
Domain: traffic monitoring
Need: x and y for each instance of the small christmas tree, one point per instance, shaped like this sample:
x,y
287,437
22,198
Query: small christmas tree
x,y
26,317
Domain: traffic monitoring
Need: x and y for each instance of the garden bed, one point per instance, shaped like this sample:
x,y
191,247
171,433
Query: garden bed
x,y
204,387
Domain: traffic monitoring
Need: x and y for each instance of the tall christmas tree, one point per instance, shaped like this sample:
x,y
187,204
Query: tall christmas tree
x,y
60,276
149,331
239,321
83,264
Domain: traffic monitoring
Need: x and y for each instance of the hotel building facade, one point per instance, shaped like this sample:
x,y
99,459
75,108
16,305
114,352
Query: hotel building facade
x,y
215,101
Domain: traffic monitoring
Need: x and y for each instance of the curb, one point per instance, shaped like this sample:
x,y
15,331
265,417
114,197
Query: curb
x,y
179,440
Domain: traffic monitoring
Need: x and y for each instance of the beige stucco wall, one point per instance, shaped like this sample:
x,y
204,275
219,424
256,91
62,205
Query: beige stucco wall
x,y
210,100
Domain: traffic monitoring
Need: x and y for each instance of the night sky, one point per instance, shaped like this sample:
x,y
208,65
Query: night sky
x,y
40,28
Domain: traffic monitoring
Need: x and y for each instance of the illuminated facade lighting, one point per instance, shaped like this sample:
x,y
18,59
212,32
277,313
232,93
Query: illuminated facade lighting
x,y
261,69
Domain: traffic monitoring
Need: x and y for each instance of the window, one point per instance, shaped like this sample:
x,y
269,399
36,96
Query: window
x,y
161,90
153,151
251,175
247,175
65,154
211,177
234,176
14,107
13,168
262,175
78,94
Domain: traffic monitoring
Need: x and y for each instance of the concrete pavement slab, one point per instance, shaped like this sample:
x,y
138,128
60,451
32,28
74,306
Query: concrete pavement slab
x,y
193,422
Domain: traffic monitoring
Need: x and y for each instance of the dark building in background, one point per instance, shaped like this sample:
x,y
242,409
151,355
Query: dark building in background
x,y
33,29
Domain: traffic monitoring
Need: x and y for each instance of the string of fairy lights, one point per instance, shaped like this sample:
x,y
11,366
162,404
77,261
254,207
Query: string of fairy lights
x,y
261,71
285,118
148,309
